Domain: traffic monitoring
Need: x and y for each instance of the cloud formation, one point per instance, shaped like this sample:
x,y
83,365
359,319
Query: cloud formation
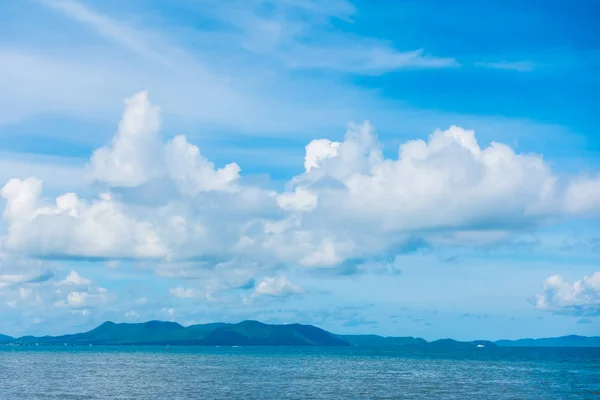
x,y
581,298
163,201
27,285
277,286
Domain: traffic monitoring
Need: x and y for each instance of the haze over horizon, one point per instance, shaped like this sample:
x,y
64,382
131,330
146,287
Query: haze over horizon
x,y
323,162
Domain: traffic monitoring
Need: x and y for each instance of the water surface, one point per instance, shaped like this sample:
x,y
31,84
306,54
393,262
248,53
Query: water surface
x,y
115,372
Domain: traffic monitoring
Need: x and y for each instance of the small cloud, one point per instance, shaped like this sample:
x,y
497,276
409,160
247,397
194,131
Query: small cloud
x,y
75,279
584,321
168,311
276,286
580,298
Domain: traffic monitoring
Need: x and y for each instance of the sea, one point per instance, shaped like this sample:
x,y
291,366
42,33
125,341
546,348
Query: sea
x,y
279,373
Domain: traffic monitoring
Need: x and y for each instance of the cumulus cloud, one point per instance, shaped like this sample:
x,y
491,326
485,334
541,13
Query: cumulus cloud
x,y
28,284
83,300
75,279
317,150
162,200
19,272
73,227
583,196
137,155
168,311
446,182
581,297
274,286
298,200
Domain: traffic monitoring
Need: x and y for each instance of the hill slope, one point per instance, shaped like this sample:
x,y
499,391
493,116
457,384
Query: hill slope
x,y
376,341
562,341
247,333
6,338
254,333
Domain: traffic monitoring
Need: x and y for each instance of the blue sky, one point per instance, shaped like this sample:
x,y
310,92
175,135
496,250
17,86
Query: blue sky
x,y
211,160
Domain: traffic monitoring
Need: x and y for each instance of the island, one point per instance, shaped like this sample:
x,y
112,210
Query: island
x,y
254,333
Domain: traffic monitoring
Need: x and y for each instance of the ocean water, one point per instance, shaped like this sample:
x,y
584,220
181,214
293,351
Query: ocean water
x,y
105,372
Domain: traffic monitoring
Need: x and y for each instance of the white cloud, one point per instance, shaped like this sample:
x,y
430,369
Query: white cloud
x,y
105,26
277,286
132,157
73,227
318,150
18,272
28,284
167,310
75,279
164,201
302,35
449,181
138,155
581,297
298,200
13,280
583,196
84,297
364,57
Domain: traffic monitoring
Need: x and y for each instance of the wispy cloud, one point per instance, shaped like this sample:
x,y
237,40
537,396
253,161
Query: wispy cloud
x,y
302,34
364,58
520,66
107,27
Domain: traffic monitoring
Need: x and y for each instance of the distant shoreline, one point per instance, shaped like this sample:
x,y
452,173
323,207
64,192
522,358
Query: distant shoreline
x,y
258,334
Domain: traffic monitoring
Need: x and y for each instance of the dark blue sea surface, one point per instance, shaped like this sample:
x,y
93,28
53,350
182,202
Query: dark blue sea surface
x,y
116,372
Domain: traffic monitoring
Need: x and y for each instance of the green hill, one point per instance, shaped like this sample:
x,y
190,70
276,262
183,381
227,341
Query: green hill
x,y
254,333
247,333
562,341
377,341
113,333
6,338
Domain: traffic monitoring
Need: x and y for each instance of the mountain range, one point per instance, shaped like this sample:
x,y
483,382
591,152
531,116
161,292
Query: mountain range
x,y
254,333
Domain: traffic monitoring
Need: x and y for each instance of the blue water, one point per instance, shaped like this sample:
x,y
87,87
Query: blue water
x,y
296,373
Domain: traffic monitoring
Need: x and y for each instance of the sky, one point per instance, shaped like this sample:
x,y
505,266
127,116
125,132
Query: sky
x,y
406,168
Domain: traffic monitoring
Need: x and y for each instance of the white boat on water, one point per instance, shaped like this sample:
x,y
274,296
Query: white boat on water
x,y
480,345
